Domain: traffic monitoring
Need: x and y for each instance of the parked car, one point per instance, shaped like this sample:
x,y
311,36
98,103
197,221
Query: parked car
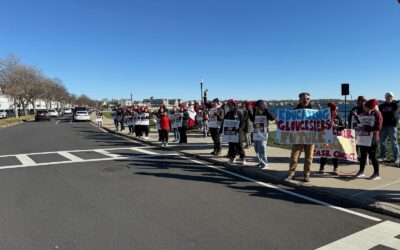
x,y
81,116
67,111
42,115
3,114
53,113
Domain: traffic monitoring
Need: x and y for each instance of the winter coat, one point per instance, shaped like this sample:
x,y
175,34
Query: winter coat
x,y
164,123
239,116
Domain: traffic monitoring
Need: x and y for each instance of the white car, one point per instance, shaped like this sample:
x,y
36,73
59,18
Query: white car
x,y
81,116
53,113
3,114
67,111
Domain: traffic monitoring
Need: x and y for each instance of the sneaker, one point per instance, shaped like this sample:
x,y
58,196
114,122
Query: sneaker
x,y
397,162
360,175
374,177
166,144
289,177
243,162
265,167
218,153
382,158
212,153
306,178
232,161
335,171
321,171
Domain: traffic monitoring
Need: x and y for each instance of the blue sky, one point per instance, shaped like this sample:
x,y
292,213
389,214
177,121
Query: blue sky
x,y
269,49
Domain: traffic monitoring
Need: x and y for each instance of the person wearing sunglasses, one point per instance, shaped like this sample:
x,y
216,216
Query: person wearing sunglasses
x,y
297,149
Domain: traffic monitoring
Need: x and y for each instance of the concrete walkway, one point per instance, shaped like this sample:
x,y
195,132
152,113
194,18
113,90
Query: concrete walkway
x,y
380,195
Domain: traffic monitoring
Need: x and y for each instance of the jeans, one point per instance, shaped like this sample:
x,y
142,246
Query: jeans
x,y
116,123
261,152
390,131
177,136
205,128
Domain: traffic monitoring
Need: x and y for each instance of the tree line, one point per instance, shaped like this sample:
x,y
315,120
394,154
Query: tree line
x,y
26,84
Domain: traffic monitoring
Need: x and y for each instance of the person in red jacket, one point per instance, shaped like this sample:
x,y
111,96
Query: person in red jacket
x,y
165,127
370,109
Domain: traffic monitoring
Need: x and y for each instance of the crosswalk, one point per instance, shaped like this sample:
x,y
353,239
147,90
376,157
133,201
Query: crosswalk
x,y
74,156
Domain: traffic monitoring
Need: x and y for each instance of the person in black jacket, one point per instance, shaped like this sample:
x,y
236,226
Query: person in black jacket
x,y
237,148
185,123
338,126
215,118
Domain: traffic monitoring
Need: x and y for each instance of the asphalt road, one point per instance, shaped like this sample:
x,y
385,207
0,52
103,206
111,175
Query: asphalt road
x,y
86,189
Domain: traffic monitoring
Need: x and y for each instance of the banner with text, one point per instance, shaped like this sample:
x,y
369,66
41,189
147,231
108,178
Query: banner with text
x,y
343,146
231,131
304,126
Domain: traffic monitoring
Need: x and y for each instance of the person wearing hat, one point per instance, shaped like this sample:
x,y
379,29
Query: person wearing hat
x,y
337,127
297,149
370,109
214,127
237,148
389,110
351,122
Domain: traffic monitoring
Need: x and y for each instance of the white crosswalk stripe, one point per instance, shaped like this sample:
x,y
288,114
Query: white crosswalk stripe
x,y
108,155
382,234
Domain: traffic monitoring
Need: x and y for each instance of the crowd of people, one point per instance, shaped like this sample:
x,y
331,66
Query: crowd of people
x,y
209,116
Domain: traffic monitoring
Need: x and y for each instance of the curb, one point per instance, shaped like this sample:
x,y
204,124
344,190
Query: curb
x,y
384,208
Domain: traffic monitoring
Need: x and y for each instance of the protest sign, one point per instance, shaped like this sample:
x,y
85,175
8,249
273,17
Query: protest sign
x,y
304,126
212,118
343,146
231,131
260,128
364,138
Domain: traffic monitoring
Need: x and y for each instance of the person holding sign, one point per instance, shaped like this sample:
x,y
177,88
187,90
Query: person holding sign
x,y
297,149
215,117
369,124
233,132
337,127
175,124
184,118
260,118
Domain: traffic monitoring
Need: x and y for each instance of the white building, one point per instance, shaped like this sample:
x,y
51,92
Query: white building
x,y
6,102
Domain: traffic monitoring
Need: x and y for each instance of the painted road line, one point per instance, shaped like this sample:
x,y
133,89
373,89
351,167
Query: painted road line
x,y
94,125
286,191
374,189
84,161
69,156
105,152
381,235
25,160
144,151
76,151
58,122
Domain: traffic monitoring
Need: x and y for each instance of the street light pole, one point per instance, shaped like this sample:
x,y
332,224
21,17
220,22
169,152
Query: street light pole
x,y
201,89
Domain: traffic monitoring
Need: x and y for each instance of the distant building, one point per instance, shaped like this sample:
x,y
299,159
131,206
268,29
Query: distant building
x,y
6,102
155,102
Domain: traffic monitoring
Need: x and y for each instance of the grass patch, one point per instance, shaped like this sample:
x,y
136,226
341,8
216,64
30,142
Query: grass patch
x,y
272,143
13,120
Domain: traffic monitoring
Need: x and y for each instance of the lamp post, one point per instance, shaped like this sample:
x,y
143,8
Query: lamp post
x,y
201,89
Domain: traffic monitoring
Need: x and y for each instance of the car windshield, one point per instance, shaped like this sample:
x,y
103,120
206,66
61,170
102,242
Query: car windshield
x,y
52,110
42,111
82,112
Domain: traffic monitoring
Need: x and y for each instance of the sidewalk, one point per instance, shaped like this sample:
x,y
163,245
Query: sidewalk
x,y
380,196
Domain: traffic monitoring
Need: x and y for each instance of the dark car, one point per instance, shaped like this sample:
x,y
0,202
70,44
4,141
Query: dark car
x,y
42,115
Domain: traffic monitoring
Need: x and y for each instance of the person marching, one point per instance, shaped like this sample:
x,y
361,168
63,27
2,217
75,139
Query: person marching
x,y
185,123
260,118
175,126
165,127
370,110
130,122
352,121
146,122
237,147
215,118
389,110
297,149
99,118
114,116
338,126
